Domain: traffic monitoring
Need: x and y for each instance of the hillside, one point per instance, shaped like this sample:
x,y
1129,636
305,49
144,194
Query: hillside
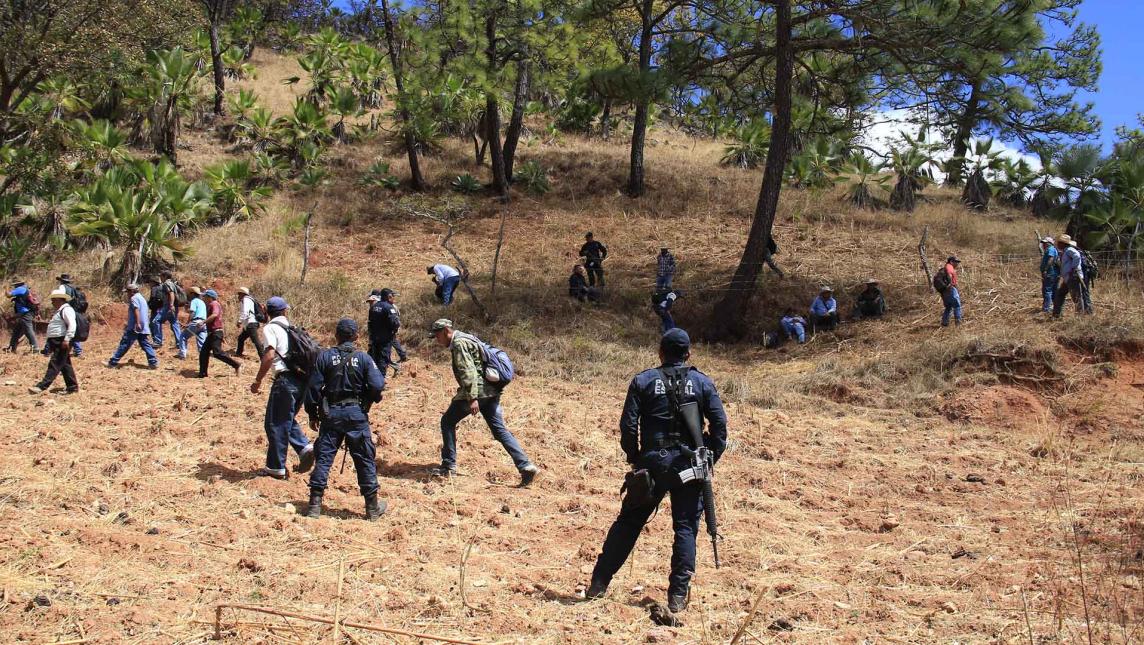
x,y
892,481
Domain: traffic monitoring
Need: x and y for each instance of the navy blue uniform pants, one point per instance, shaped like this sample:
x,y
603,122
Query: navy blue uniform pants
x,y
351,425
686,510
381,351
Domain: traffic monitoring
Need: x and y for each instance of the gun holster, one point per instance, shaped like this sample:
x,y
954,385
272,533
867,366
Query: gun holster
x,y
638,489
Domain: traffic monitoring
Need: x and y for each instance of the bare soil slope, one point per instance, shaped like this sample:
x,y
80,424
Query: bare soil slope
x,y
883,484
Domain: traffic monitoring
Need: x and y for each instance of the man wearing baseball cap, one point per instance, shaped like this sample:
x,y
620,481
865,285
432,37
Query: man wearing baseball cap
x,y
213,345
137,330
1050,272
475,395
651,438
286,396
384,322
25,323
343,386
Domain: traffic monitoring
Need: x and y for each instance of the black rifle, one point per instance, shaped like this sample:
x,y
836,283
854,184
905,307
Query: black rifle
x,y
702,470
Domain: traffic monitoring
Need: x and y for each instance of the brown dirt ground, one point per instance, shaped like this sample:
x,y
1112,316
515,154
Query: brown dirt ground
x,y
857,503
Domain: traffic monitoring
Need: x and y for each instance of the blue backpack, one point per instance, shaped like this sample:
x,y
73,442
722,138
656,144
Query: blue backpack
x,y
498,367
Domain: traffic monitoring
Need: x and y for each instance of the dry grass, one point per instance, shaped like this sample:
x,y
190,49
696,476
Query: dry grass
x,y
876,425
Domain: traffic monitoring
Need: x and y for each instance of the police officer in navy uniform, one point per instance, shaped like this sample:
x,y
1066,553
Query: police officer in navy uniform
x,y
652,441
344,384
384,322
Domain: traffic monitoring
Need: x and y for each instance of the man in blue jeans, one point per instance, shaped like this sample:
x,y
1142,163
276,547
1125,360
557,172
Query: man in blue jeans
x,y
475,395
286,397
1050,272
136,330
446,278
951,297
168,313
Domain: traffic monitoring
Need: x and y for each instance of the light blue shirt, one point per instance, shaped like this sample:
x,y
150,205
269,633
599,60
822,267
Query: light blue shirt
x,y
1049,262
1070,264
198,309
138,310
822,307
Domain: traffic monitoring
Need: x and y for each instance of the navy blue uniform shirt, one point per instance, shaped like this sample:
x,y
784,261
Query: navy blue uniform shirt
x,y
384,320
343,373
647,413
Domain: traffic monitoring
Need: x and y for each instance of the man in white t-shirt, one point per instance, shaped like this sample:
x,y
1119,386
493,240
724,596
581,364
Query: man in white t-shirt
x,y
61,331
247,323
286,396
447,278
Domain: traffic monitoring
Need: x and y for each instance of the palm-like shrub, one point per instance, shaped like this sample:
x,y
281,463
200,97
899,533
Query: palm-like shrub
x,y
816,166
237,195
911,163
533,177
982,158
379,176
866,174
749,150
466,183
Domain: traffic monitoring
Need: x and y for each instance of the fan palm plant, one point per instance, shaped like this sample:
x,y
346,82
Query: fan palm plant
x,y
978,192
750,147
912,164
866,174
236,197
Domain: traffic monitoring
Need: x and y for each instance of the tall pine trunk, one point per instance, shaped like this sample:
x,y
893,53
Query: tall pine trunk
x,y
730,313
492,114
416,179
636,186
516,121
216,64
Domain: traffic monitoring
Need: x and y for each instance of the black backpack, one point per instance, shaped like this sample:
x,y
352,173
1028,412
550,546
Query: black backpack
x,y
78,299
171,286
1088,266
260,312
82,326
942,281
301,350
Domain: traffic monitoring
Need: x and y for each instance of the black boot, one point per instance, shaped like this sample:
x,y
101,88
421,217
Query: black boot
x,y
596,590
315,509
374,508
677,602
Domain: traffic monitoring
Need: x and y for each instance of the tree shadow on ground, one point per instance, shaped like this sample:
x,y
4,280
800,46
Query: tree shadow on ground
x,y
228,474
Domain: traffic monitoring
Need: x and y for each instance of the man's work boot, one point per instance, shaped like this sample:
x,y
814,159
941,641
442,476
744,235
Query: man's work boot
x,y
596,590
314,511
527,474
677,602
305,460
374,508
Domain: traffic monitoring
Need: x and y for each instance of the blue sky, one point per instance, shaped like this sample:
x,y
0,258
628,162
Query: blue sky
x,y
1121,93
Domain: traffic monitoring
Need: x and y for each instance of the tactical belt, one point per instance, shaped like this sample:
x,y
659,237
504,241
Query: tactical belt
x,y
344,403
663,441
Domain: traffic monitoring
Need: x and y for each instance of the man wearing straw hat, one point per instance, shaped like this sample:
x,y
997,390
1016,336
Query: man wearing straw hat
x,y
1071,279
824,310
871,302
61,330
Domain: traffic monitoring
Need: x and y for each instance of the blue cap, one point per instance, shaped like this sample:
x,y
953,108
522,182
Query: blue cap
x,y
675,343
277,303
211,293
347,327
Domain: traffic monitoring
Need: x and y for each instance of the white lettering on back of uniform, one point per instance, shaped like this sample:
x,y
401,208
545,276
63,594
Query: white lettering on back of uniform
x,y
659,387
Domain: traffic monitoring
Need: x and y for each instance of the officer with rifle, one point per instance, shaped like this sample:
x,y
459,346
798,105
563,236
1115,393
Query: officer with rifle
x,y
661,431
344,384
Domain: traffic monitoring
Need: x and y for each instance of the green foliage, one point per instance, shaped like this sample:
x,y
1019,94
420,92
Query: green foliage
x,y
466,184
816,166
866,174
749,149
236,193
1016,182
911,162
378,176
533,178
577,114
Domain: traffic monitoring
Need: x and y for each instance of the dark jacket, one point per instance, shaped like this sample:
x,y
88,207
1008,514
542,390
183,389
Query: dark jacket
x,y
384,320
594,251
647,414
343,374
577,286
